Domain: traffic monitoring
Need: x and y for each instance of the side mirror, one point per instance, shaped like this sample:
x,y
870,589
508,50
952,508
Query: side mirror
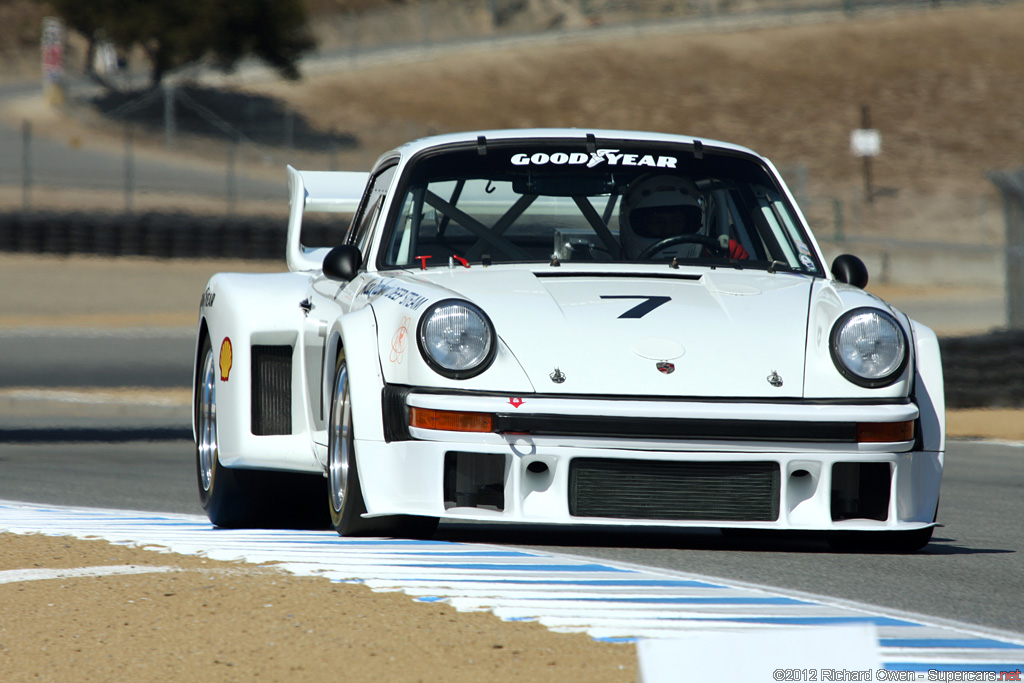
x,y
342,263
851,270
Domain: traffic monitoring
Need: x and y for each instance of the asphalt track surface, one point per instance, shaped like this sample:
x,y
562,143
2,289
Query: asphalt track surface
x,y
971,572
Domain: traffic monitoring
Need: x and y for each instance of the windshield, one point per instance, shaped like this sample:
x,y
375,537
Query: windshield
x,y
629,202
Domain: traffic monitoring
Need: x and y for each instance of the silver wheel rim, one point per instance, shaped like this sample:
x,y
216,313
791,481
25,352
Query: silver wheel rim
x,y
339,441
207,422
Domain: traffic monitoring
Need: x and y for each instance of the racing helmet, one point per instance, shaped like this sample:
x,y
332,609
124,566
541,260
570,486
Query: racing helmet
x,y
655,207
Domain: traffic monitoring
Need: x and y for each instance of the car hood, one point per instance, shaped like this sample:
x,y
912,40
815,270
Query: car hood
x,y
695,334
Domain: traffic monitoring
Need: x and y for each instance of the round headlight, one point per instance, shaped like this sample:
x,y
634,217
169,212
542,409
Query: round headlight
x,y
456,339
869,347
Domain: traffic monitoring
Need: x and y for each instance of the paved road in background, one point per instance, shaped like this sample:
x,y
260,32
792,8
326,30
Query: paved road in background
x,y
87,166
68,357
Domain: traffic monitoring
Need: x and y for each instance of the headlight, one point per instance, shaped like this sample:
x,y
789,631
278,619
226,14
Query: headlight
x,y
869,347
456,339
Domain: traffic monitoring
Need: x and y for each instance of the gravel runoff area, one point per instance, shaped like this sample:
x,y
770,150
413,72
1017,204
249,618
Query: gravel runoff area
x,y
190,618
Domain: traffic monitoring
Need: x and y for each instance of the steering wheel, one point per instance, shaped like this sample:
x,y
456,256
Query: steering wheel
x,y
710,243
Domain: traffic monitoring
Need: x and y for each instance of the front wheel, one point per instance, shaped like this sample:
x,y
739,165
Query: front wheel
x,y
344,494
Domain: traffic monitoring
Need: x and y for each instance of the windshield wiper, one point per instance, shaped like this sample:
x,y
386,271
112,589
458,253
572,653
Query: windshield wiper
x,y
775,265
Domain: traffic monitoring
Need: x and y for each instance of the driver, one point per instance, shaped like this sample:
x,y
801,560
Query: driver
x,y
656,208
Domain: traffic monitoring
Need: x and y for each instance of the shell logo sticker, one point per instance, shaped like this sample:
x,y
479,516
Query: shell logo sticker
x,y
225,359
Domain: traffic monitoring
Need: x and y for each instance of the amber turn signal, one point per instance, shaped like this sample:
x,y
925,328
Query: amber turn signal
x,y
882,432
449,420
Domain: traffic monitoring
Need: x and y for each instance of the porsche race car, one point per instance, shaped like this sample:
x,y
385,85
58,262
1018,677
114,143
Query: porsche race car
x,y
562,326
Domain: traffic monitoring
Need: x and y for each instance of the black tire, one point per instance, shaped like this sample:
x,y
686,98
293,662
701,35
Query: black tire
x,y
240,498
344,494
221,490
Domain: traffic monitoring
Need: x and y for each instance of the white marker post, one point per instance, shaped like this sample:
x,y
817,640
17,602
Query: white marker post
x,y
866,142
52,48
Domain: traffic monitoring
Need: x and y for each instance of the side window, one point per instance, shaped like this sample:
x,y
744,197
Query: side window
x,y
365,219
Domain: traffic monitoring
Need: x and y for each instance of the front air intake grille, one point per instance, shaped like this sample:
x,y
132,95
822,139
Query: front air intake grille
x,y
674,491
474,480
271,390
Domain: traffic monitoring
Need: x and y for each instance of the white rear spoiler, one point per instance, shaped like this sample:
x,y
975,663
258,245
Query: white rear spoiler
x,y
326,191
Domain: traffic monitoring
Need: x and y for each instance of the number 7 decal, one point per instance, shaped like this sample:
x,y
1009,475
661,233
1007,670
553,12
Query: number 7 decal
x,y
641,309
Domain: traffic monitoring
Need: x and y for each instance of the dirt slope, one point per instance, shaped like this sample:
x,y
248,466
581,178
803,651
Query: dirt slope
x,y
945,88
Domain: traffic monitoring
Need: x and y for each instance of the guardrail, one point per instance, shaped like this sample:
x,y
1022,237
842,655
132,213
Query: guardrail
x,y
157,235
984,371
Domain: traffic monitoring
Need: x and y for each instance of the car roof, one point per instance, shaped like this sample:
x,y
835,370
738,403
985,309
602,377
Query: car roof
x,y
415,146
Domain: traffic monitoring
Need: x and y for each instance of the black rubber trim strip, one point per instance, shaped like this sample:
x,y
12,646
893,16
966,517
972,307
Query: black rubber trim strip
x,y
669,428
394,412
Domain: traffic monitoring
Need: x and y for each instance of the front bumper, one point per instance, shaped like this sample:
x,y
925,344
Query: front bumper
x,y
686,464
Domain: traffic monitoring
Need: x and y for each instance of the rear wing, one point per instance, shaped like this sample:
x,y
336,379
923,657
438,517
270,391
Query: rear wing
x,y
324,191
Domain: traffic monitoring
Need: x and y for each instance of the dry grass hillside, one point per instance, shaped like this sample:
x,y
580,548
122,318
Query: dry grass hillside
x,y
945,87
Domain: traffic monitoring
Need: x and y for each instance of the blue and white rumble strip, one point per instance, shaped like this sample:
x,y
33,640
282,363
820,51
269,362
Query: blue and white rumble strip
x,y
608,601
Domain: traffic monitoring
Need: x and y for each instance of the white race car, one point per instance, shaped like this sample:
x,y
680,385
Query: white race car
x,y
565,327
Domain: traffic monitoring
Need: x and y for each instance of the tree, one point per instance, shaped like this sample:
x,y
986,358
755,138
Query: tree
x,y
174,33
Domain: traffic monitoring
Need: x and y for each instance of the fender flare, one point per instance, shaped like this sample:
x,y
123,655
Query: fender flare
x,y
201,335
928,388
356,334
